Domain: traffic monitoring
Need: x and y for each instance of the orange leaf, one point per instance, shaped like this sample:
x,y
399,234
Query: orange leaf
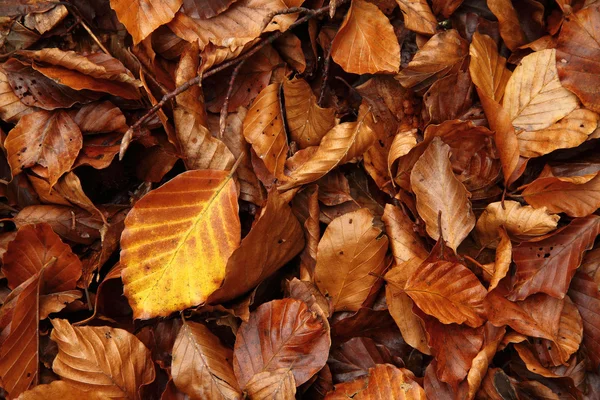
x,y
406,244
439,191
365,42
547,266
263,129
47,138
448,291
142,17
177,241
272,385
107,361
58,390
418,16
36,247
351,254
281,334
201,365
488,69
585,295
510,29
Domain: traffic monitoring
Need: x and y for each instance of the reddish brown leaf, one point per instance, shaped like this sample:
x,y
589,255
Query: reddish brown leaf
x,y
488,69
272,385
418,16
58,390
510,29
352,359
205,9
142,17
547,266
585,295
280,334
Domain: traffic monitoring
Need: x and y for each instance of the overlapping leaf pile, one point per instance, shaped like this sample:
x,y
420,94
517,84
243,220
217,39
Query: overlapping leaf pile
x,y
277,199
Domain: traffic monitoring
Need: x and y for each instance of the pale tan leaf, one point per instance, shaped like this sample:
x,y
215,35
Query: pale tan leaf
x,y
108,361
200,150
418,16
365,42
272,385
518,220
534,97
569,132
201,365
263,129
436,59
406,244
340,145
142,17
307,122
11,108
350,251
403,143
502,260
439,191
488,69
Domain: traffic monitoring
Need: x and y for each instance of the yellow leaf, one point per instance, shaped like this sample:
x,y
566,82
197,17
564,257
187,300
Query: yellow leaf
x,y
534,97
366,42
177,241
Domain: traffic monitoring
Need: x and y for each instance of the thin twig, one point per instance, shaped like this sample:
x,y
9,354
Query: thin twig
x,y
223,116
326,65
196,80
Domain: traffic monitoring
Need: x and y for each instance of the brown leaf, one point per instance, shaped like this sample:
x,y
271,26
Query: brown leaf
x,y
36,247
445,7
280,334
307,122
55,302
365,42
97,71
573,198
577,54
502,260
142,17
11,108
570,131
290,48
201,365
406,244
263,129
340,145
50,139
205,9
488,69
272,385
351,254
439,191
480,364
585,295
108,361
436,59
448,98
418,16
400,305
510,29
199,148
58,390
352,359
99,117
448,291
518,220
534,97
275,238
98,151
547,266
388,382
402,144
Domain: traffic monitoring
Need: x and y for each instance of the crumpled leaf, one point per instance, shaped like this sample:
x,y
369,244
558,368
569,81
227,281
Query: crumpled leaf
x,y
107,361
142,17
365,42
163,275
350,255
280,334
439,191
534,97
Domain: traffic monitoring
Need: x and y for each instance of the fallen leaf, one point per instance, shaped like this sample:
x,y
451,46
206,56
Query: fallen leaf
x,y
263,129
534,97
584,292
11,108
206,9
488,69
279,335
307,121
153,267
365,42
58,390
272,385
577,53
510,29
47,138
388,382
142,17
201,365
351,254
108,361
518,220
418,16
547,266
438,191
448,291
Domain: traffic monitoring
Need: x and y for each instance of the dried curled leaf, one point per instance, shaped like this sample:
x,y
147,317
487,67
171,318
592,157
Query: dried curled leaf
x,y
418,16
518,220
488,69
534,97
169,262
350,255
142,17
439,191
365,42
